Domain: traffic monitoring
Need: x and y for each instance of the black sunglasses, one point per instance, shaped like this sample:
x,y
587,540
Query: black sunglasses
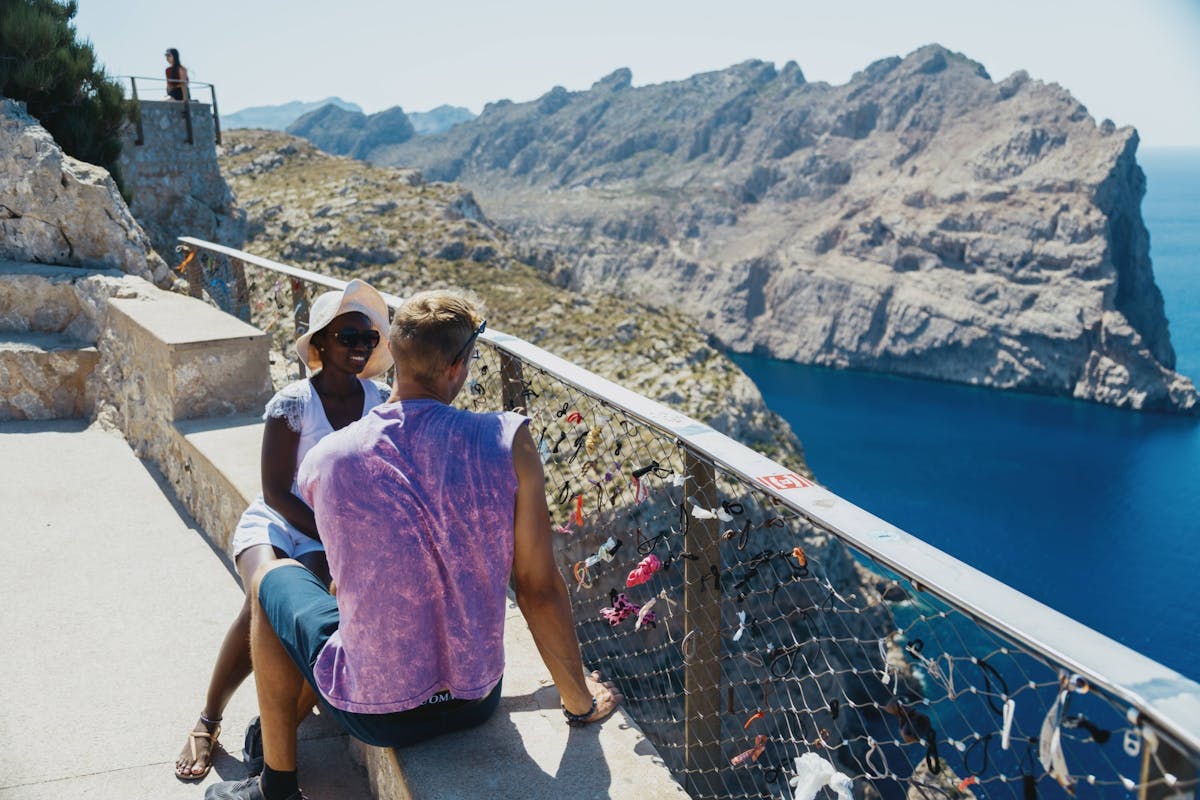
x,y
466,348
353,337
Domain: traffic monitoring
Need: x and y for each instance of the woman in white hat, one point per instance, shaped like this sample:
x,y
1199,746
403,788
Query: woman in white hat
x,y
346,346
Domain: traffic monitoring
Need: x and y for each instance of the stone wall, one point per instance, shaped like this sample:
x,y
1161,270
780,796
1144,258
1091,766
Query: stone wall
x,y
165,358
175,187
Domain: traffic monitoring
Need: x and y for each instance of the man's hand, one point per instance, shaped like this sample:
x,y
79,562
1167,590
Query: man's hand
x,y
542,595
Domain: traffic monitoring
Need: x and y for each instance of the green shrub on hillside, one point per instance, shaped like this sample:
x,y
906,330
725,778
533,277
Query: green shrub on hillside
x,y
43,64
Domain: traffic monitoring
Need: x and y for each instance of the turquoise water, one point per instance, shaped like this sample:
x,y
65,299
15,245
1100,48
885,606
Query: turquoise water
x,y
1091,510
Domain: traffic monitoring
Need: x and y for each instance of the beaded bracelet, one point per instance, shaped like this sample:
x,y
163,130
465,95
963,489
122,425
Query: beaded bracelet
x,y
577,720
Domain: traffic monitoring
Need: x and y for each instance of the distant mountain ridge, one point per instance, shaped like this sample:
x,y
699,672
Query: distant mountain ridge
x,y
277,118
280,117
439,119
353,133
921,219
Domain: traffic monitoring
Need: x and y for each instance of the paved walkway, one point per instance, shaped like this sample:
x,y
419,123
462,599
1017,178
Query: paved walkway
x,y
114,606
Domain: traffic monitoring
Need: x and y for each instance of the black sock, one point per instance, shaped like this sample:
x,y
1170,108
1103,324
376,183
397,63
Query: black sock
x,y
277,785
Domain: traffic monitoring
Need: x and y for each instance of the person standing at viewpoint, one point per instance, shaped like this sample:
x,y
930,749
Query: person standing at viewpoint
x,y
425,511
177,76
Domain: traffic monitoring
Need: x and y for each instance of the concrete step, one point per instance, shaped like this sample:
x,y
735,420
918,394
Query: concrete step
x,y
526,750
43,297
44,375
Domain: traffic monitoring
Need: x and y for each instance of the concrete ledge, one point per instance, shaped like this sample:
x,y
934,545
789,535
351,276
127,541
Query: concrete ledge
x,y
222,467
204,362
526,750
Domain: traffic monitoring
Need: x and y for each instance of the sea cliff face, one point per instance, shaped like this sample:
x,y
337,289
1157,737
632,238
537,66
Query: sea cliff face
x,y
921,219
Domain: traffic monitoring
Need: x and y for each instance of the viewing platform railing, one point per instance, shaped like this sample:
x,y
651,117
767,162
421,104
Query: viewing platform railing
x,y
772,638
186,106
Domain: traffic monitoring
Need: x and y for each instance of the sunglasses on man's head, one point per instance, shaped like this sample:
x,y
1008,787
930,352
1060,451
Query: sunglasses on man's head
x,y
353,337
466,348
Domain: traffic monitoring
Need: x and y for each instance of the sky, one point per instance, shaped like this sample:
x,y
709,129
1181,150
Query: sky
x,y
1137,63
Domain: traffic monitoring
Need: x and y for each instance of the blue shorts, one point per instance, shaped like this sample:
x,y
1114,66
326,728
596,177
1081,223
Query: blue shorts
x,y
305,615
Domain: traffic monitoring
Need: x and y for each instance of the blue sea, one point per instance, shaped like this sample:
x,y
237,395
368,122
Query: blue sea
x,y
1091,510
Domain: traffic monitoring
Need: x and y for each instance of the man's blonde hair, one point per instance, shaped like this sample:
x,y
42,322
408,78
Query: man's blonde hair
x,y
430,329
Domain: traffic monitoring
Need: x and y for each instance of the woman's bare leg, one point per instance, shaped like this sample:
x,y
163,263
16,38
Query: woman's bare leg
x,y
231,669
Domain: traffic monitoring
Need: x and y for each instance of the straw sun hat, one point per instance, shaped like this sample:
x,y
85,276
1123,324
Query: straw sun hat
x,y
357,296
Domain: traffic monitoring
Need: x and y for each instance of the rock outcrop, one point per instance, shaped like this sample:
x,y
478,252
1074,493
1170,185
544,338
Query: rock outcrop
x,y
921,219
55,209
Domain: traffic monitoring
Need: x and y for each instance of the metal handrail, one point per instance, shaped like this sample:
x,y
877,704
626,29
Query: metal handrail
x,y
1163,697
164,80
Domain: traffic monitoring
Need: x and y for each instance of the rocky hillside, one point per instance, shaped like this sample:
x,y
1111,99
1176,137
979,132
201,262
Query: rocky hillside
x,y
921,219
390,227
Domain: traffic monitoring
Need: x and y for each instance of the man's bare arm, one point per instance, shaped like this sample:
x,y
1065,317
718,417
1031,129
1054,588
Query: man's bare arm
x,y
541,593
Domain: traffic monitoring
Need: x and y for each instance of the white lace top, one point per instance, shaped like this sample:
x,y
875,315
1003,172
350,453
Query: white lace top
x,y
299,405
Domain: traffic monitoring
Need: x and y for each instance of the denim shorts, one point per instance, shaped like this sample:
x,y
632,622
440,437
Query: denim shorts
x,y
304,616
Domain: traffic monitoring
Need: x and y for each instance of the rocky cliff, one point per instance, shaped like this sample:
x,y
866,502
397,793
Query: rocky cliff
x,y
921,219
55,209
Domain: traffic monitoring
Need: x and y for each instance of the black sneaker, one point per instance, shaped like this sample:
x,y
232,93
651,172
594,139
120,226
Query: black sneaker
x,y
252,748
247,789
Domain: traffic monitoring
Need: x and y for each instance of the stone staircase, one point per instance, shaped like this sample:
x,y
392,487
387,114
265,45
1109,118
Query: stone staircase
x,y
47,342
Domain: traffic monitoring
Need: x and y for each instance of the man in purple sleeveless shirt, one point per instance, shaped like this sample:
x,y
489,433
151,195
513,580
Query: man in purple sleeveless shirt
x,y
424,510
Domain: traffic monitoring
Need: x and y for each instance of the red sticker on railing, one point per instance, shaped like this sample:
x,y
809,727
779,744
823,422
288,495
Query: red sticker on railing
x,y
788,480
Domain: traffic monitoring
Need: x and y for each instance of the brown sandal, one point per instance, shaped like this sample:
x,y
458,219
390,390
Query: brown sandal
x,y
193,735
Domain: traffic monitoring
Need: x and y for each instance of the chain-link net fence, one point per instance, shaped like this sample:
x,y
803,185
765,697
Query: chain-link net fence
x,y
766,657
